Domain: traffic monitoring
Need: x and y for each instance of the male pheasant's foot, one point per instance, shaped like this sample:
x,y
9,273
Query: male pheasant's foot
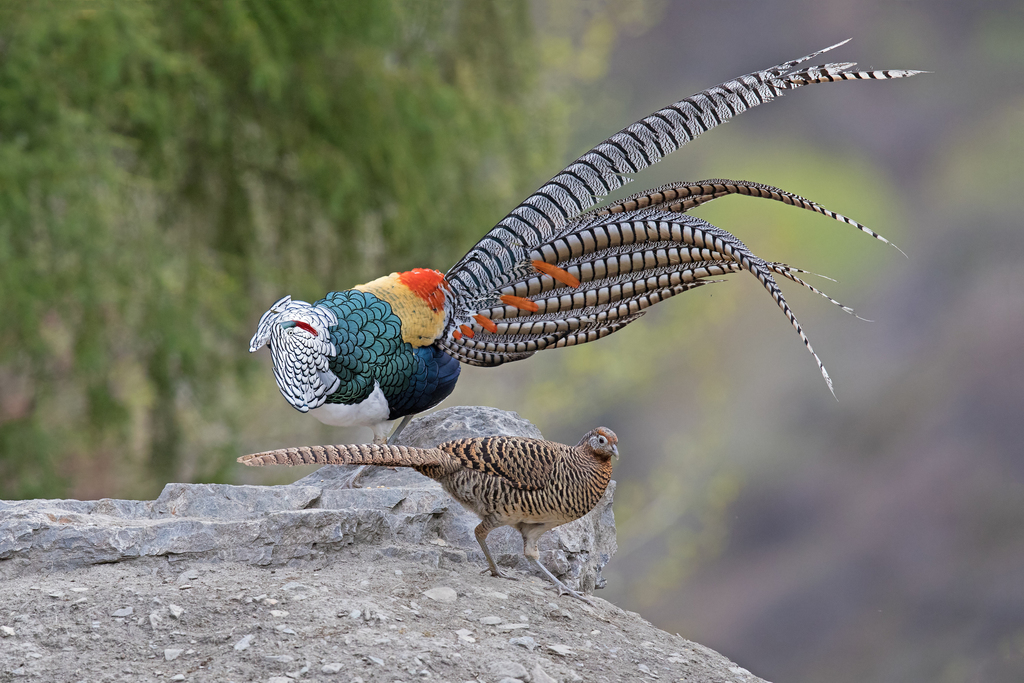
x,y
353,480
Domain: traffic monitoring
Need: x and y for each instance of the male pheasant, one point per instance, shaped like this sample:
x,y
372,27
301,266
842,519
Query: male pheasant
x,y
529,484
556,271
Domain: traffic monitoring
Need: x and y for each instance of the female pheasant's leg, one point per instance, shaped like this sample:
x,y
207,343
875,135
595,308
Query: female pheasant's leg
x,y
531,535
486,526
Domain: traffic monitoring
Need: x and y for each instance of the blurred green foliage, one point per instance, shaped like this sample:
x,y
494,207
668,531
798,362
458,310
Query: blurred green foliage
x,y
167,169
170,168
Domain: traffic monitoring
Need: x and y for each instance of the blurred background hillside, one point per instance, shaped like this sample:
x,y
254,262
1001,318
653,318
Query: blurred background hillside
x,y
169,169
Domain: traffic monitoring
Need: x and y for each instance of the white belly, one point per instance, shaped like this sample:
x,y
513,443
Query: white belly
x,y
372,412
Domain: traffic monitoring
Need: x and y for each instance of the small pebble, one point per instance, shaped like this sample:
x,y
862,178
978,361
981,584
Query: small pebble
x,y
505,669
442,594
283,659
561,650
171,654
490,621
538,675
123,612
332,668
178,677
465,635
505,628
6,631
279,679
376,660
244,643
176,611
525,641
278,613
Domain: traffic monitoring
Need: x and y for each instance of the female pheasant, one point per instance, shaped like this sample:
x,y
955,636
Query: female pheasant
x,y
531,485
556,271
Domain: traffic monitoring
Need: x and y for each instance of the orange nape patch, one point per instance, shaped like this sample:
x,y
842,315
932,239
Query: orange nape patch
x,y
519,302
486,323
557,273
426,284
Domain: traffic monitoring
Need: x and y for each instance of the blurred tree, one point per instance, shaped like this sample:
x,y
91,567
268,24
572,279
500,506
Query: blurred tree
x,y
168,168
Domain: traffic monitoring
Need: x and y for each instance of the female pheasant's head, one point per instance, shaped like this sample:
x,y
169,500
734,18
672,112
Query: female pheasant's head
x,y
602,441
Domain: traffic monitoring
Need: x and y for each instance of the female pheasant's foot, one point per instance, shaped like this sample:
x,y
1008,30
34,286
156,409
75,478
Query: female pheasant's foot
x,y
499,573
562,588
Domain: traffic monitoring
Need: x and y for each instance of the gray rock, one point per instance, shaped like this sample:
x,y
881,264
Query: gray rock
x,y
525,641
442,594
538,675
401,512
506,669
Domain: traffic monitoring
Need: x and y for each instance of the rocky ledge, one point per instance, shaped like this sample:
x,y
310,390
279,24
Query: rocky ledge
x,y
305,522
313,582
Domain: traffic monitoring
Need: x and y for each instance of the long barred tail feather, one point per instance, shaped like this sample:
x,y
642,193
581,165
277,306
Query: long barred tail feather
x,y
680,197
361,454
559,270
624,263
548,211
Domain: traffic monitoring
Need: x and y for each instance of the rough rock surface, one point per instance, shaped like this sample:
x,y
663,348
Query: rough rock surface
x,y
307,521
310,581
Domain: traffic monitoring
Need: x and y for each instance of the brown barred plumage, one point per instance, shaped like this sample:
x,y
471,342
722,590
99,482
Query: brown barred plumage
x,y
531,485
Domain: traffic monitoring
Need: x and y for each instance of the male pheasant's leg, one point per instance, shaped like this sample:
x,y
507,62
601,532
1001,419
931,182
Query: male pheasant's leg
x,y
531,534
379,437
486,526
401,425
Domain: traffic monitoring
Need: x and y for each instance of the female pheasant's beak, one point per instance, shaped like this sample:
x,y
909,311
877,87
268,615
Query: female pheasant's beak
x,y
615,451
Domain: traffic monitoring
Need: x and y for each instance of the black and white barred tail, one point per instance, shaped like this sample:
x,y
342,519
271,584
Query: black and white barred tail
x,y
601,268
549,211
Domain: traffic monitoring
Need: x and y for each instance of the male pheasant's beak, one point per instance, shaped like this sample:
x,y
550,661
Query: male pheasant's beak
x,y
301,325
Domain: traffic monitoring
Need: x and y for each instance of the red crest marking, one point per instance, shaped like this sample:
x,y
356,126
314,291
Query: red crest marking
x,y
426,284
306,326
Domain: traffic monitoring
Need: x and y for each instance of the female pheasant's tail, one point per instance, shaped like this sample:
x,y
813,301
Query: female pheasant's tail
x,y
359,454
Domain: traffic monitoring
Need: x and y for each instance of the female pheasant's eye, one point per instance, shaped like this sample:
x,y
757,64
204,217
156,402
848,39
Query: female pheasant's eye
x,y
601,440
